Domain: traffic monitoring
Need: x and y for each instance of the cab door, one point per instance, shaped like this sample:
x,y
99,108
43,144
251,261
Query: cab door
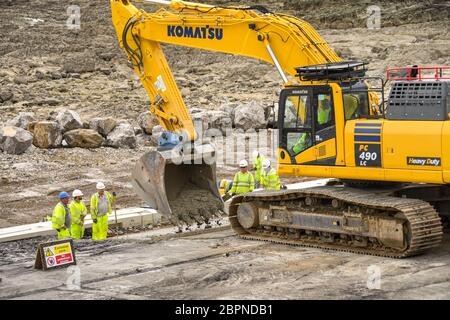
x,y
324,126
307,125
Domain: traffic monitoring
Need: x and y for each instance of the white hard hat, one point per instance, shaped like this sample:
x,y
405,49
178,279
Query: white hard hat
x,y
100,186
77,193
266,163
243,164
255,154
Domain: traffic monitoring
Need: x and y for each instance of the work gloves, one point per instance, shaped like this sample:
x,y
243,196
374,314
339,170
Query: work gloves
x,y
95,220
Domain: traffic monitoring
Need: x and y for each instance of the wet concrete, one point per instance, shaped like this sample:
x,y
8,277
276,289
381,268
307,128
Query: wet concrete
x,y
195,206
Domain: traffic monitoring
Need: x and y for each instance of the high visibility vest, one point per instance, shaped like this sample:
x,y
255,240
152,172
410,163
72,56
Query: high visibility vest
x,y
257,163
77,211
243,183
270,180
323,115
224,186
59,217
94,204
301,143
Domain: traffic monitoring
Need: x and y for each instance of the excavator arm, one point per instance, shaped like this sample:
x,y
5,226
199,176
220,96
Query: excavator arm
x,y
282,40
165,177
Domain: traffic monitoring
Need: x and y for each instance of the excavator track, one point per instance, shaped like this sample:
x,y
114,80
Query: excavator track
x,y
422,227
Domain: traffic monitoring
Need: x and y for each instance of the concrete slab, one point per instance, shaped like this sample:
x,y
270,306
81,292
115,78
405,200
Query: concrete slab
x,y
129,217
308,184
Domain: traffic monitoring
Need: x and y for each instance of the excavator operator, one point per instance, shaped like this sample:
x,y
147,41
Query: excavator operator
x,y
324,109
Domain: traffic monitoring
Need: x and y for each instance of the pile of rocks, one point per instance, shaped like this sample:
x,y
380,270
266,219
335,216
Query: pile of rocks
x,y
245,116
66,130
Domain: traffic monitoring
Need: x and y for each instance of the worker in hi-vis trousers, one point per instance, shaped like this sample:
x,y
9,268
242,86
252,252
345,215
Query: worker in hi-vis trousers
x,y
78,212
61,216
101,206
258,158
243,180
269,177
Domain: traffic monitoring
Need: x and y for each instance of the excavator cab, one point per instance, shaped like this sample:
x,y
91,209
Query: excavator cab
x,y
311,114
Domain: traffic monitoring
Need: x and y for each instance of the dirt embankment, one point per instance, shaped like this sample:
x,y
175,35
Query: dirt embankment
x,y
345,14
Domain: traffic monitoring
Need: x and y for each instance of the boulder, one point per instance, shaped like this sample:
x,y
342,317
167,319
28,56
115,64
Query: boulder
x,y
156,133
229,108
83,138
250,116
103,125
272,115
211,119
219,120
69,120
122,136
47,134
22,120
30,126
15,140
144,139
147,121
200,119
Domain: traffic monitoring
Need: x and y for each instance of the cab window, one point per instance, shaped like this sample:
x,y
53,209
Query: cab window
x,y
297,112
356,105
325,117
298,142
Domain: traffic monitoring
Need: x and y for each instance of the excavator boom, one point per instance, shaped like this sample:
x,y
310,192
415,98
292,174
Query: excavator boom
x,y
284,41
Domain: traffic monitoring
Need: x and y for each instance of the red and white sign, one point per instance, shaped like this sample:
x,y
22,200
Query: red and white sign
x,y
58,255
50,262
64,258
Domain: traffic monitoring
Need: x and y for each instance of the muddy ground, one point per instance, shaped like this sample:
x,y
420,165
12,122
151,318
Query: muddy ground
x,y
217,265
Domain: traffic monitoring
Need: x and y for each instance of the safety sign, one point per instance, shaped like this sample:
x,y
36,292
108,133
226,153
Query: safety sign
x,y
55,254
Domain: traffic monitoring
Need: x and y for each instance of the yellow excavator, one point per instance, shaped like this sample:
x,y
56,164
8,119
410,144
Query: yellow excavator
x,y
389,196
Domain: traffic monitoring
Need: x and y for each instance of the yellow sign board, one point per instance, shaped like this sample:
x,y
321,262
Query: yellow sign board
x,y
63,248
55,254
48,252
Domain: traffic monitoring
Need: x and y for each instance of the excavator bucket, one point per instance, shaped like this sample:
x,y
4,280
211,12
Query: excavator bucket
x,y
180,186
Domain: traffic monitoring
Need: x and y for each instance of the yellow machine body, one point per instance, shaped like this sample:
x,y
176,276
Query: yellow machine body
x,y
331,124
375,150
